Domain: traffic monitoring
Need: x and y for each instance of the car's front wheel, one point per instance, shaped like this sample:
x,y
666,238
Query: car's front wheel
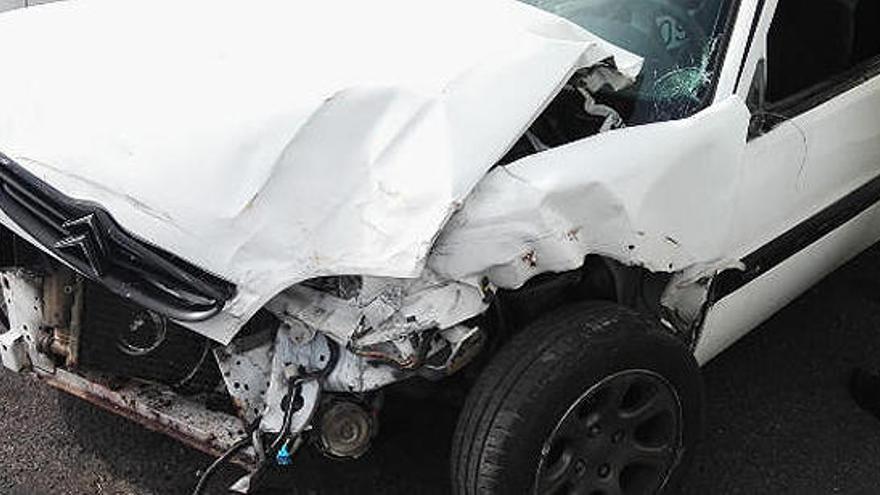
x,y
592,399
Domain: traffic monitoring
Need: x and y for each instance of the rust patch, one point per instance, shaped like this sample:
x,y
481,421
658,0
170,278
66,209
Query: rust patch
x,y
531,259
159,409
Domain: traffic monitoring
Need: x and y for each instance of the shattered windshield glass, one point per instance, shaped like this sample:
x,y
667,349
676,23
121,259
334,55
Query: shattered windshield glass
x,y
679,40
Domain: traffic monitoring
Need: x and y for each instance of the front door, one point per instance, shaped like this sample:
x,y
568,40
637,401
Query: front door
x,y
811,175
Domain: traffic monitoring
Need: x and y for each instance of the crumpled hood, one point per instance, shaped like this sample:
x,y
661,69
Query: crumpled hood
x,y
272,141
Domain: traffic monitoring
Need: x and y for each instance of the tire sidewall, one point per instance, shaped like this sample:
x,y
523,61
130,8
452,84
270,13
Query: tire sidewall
x,y
579,358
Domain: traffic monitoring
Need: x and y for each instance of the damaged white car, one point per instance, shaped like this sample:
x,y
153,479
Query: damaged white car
x,y
238,227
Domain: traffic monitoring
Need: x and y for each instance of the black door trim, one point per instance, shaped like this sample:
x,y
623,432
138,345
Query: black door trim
x,y
756,21
797,239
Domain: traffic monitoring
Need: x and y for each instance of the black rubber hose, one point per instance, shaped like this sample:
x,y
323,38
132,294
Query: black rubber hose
x,y
203,480
288,416
334,358
292,389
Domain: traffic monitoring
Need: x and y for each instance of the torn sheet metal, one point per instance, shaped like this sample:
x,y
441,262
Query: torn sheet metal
x,y
686,299
402,322
663,205
246,366
288,140
258,376
453,349
389,320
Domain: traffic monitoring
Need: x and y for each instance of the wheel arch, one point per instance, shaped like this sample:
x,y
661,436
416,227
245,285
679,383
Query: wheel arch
x,y
600,278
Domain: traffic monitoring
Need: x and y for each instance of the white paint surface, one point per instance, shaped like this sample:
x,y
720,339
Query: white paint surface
x,y
273,141
289,141
644,204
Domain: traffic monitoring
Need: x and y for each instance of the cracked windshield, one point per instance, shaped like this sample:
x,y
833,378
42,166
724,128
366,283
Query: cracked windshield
x,y
679,40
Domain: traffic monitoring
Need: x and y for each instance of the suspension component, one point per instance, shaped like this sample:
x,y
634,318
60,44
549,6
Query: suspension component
x,y
346,429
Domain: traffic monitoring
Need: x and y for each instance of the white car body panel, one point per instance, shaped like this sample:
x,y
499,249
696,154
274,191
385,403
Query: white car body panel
x,y
251,210
736,315
291,141
656,216
790,175
261,209
243,151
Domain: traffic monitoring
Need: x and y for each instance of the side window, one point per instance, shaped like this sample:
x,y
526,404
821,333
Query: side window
x,y
867,39
811,42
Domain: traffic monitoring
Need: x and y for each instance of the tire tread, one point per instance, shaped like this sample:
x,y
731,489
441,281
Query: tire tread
x,y
481,429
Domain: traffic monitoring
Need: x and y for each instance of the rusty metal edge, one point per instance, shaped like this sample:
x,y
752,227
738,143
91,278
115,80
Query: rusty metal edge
x,y
152,419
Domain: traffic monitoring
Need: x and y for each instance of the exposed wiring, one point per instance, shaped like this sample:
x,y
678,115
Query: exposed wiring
x,y
206,349
253,435
203,480
294,388
258,446
237,446
293,391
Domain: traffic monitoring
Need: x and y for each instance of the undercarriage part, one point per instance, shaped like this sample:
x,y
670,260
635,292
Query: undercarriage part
x,y
345,429
454,348
288,407
395,321
62,308
295,386
246,365
253,369
127,340
343,287
55,342
158,408
58,292
206,475
360,335
407,352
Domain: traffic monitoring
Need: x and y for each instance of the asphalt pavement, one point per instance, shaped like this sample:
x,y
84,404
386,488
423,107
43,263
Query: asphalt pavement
x,y
779,421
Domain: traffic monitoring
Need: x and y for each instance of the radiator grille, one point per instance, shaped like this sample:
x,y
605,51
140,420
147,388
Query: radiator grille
x,y
87,238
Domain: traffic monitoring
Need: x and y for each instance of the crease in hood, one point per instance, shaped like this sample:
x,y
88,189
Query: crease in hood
x,y
272,141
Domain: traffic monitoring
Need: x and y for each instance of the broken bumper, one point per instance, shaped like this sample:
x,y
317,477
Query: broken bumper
x,y
33,304
159,409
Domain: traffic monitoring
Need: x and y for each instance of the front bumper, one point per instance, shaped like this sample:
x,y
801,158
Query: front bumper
x,y
28,346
